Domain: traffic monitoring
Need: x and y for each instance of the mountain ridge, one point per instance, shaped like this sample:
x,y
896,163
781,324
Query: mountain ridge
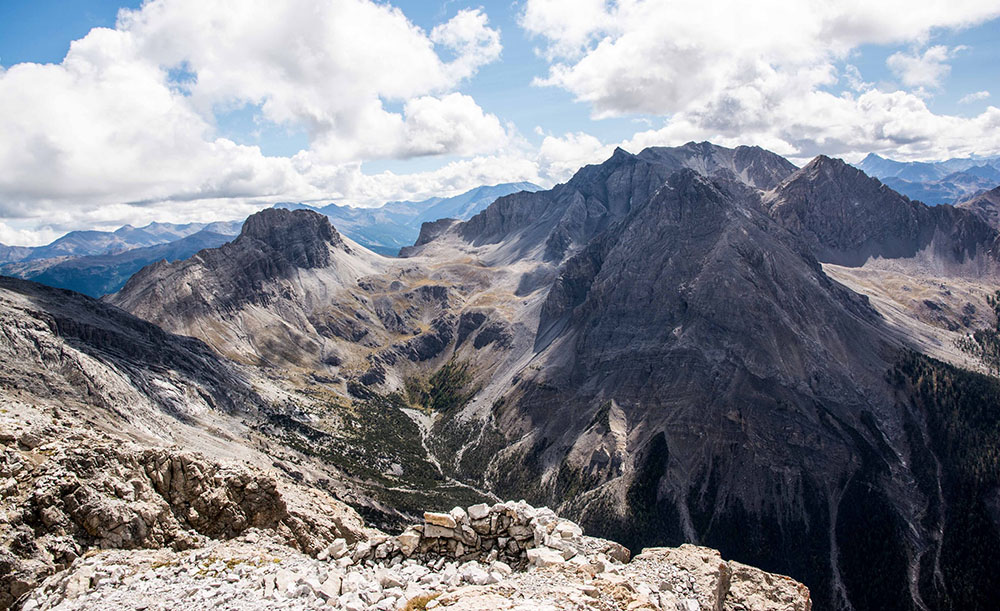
x,y
935,182
394,225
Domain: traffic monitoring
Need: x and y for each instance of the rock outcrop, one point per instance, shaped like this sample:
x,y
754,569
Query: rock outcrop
x,y
66,492
514,533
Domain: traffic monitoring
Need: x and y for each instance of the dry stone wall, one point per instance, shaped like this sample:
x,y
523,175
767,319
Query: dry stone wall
x,y
513,532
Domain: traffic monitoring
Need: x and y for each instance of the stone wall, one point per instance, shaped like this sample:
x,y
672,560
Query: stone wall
x,y
513,532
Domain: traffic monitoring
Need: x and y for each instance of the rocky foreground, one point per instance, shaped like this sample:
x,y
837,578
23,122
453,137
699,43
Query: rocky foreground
x,y
88,521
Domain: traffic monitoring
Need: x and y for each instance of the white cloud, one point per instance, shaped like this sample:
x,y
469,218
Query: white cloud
x,y
560,157
110,135
568,25
922,70
104,124
761,72
468,34
109,125
974,97
330,67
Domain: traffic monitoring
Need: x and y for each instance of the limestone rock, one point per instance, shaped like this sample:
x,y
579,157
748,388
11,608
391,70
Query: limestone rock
x,y
753,589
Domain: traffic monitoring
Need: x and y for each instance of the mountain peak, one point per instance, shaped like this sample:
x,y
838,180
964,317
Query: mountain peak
x,y
620,154
834,167
301,235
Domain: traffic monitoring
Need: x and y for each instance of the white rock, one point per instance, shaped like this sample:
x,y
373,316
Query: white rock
x,y
474,574
388,578
353,583
337,549
458,514
480,511
434,531
544,556
502,567
408,541
345,562
439,519
284,580
351,602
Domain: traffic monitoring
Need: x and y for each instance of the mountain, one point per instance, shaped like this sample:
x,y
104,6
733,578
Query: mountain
x,y
570,214
97,275
13,253
67,347
280,257
682,333
127,237
849,218
943,182
658,348
394,225
986,204
949,189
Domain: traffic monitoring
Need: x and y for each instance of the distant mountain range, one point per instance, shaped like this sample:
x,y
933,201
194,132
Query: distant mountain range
x,y
127,237
939,182
394,225
97,263
97,275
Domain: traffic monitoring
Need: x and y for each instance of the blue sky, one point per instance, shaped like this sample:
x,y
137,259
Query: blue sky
x,y
359,102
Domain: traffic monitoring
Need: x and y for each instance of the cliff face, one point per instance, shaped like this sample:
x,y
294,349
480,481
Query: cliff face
x,y
272,245
986,205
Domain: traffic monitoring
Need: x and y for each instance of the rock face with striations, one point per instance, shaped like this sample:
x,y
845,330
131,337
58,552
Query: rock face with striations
x,y
696,376
64,346
695,373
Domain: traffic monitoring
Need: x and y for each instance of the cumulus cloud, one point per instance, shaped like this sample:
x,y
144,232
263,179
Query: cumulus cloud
x,y
974,97
760,72
923,70
124,128
560,156
468,35
129,115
